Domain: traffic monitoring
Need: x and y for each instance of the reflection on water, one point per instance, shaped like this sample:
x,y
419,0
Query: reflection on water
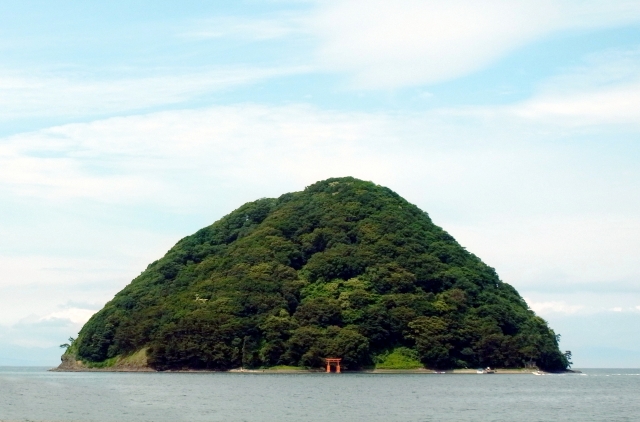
x,y
37,395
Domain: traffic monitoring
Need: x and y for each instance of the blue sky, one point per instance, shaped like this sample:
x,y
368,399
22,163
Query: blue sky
x,y
125,127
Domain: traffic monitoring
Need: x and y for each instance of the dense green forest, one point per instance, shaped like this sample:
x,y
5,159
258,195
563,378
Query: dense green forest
x,y
345,268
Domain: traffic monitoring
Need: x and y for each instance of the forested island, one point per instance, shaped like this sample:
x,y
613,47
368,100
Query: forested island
x,y
345,268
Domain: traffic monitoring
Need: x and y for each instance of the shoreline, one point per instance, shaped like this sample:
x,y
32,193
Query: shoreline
x,y
267,371
138,363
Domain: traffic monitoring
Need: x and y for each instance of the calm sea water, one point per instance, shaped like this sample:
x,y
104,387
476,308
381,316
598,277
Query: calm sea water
x,y
33,394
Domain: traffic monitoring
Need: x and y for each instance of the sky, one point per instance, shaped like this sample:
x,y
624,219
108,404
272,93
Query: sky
x,y
125,126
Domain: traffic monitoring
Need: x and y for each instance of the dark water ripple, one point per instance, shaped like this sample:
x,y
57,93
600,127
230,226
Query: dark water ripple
x,y
32,394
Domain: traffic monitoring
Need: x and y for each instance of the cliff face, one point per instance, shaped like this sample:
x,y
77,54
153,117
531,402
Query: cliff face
x,y
344,268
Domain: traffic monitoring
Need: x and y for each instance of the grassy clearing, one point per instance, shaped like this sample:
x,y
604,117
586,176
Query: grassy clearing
x,y
108,363
398,358
285,368
137,360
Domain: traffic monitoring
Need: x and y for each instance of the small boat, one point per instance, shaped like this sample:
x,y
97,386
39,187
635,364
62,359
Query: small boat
x,y
487,370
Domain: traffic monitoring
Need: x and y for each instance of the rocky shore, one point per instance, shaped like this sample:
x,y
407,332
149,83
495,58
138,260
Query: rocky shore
x,y
134,363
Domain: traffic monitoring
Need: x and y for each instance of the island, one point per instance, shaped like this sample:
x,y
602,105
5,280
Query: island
x,y
345,269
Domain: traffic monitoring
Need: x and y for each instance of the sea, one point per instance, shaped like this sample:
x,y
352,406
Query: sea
x,y
34,394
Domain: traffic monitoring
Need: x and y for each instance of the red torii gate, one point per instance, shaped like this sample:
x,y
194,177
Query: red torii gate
x,y
333,361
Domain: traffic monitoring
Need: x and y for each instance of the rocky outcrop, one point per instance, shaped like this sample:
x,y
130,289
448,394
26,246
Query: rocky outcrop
x,y
136,362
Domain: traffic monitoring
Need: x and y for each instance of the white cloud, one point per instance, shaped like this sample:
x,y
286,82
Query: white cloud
x,y
387,44
37,332
74,95
254,29
616,309
140,158
75,315
543,308
82,258
604,90
562,253
620,104
381,44
597,340
41,285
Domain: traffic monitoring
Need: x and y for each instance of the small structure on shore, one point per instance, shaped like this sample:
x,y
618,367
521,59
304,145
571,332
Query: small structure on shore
x,y
335,362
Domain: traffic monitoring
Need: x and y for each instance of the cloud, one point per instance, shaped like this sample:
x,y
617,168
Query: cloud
x,y
563,307
254,29
75,315
598,356
603,93
384,44
36,339
44,289
597,340
620,104
380,44
563,254
15,355
544,308
69,94
139,158
605,90
39,333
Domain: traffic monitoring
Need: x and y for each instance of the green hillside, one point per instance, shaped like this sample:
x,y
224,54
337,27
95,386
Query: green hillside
x,y
345,268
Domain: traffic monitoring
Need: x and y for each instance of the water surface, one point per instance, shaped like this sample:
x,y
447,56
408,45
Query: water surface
x,y
33,394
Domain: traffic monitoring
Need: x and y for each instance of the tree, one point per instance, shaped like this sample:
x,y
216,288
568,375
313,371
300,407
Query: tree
x,y
431,336
67,345
567,356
